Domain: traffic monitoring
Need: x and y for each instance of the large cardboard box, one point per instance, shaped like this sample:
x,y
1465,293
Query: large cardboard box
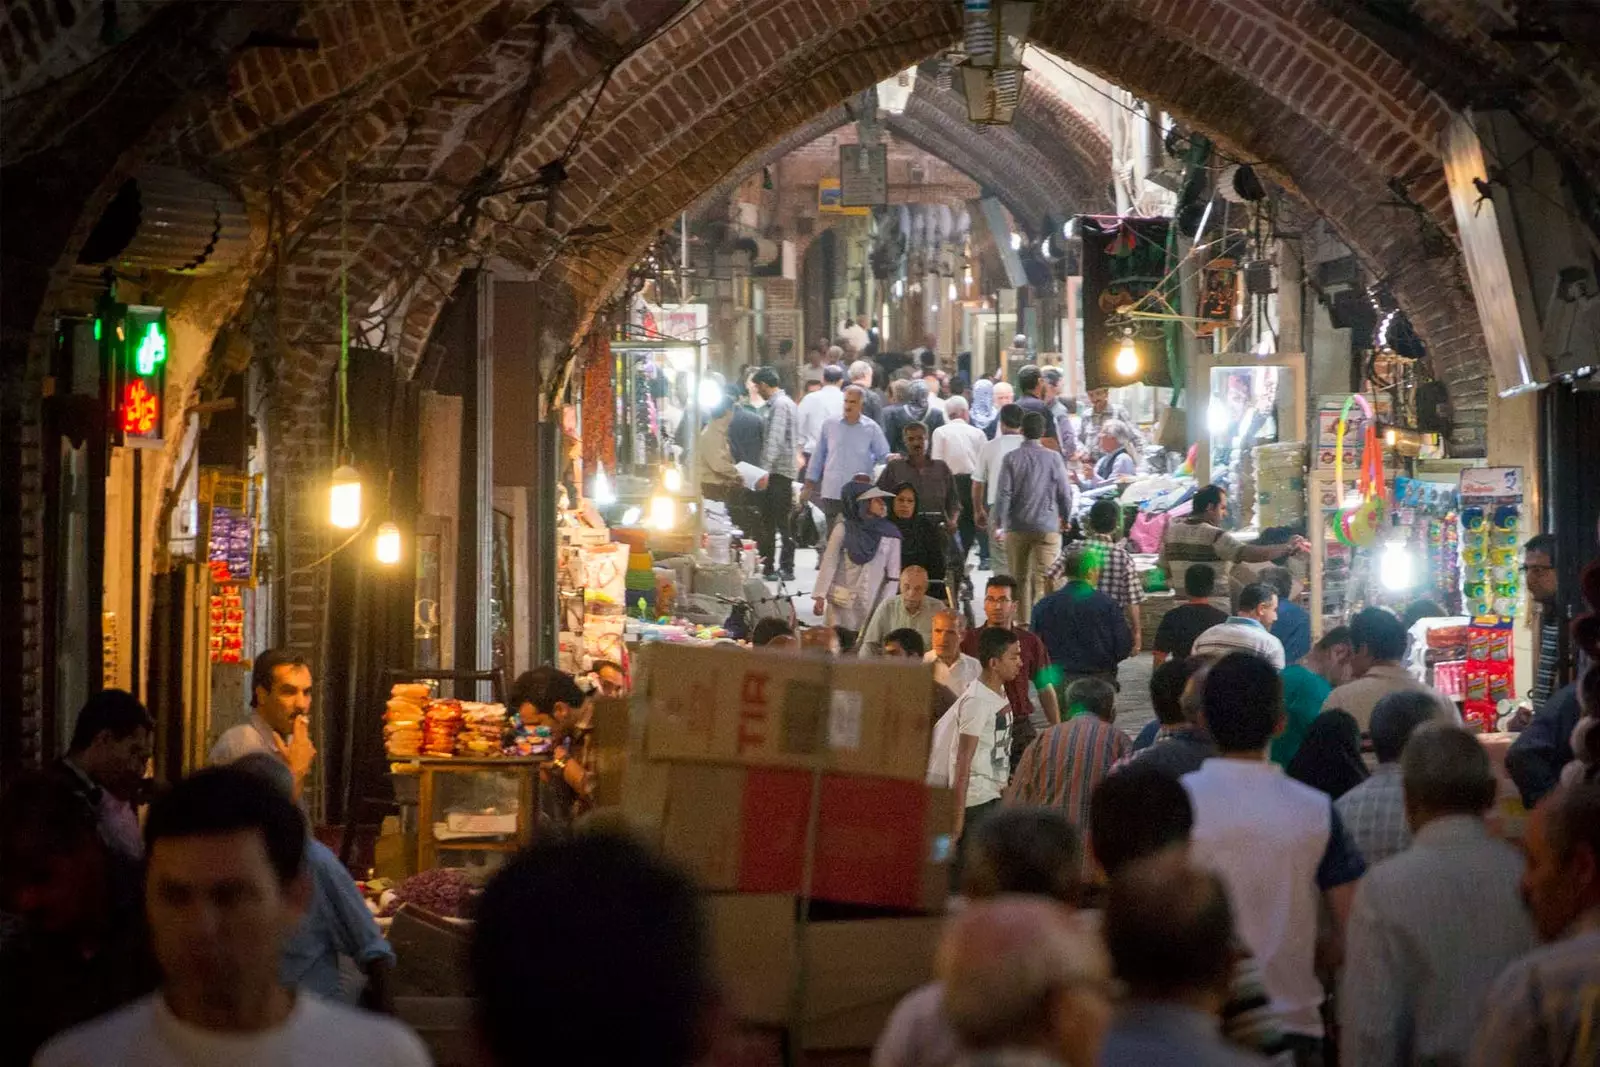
x,y
879,841
729,705
855,972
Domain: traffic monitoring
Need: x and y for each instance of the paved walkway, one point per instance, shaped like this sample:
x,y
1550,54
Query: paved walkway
x,y
1133,702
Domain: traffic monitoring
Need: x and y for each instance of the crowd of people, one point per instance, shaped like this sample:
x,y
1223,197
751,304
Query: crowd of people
x,y
1238,884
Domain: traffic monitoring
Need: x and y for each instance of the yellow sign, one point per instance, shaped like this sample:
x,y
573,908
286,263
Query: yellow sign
x,y
830,199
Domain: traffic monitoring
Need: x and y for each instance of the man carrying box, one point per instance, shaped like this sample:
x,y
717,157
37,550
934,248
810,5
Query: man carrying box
x,y
971,751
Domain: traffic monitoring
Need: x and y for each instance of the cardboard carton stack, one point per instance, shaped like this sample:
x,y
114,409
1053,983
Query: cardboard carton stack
x,y
778,778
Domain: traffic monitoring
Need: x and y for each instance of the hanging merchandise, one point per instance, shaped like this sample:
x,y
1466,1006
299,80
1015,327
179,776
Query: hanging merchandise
x,y
1358,524
1491,586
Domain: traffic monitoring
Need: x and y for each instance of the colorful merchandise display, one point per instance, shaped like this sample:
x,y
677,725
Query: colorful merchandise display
x,y
1490,672
1491,585
1491,534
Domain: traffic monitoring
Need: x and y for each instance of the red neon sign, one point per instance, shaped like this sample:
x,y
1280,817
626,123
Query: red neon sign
x,y
141,409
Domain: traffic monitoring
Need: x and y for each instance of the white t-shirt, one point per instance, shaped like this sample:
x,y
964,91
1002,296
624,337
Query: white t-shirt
x,y
990,458
982,713
317,1032
959,444
1278,845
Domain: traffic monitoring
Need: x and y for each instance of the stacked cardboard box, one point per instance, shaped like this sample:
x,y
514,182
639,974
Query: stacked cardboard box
x,y
774,777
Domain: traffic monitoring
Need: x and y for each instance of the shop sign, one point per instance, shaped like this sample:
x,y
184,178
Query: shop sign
x,y
134,345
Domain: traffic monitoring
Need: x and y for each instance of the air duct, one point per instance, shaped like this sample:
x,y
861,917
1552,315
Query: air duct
x,y
165,219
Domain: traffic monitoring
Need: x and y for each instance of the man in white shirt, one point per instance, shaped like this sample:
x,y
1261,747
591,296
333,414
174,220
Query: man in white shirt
x,y
817,408
971,751
991,459
1278,844
952,668
960,444
225,884
1378,652
1247,631
280,693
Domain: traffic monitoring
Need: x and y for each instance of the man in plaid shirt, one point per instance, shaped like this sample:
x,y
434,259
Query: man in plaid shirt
x,y
1118,578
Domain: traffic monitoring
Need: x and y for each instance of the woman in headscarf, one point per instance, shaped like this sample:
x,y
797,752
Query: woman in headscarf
x,y
1329,758
863,553
982,412
919,410
921,539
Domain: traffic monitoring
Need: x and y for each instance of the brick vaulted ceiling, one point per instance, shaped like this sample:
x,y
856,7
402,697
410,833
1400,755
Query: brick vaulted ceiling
x,y
440,114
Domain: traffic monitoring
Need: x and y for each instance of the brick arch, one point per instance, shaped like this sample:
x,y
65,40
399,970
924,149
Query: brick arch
x,y
1334,131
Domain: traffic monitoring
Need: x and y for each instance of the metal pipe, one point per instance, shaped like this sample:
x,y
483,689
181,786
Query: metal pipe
x,y
484,487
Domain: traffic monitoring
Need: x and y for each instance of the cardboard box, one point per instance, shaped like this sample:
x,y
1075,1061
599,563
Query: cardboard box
x,y
730,705
879,841
856,971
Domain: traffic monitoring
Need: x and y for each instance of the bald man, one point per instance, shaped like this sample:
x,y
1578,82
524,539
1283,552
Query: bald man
x,y
910,609
1025,981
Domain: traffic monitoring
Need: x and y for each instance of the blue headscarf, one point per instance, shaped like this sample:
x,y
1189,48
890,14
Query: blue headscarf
x,y
862,532
982,412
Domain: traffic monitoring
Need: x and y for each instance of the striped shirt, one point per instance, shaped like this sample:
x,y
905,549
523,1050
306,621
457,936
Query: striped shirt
x,y
1191,541
1544,1010
1428,932
1549,674
1064,765
1240,634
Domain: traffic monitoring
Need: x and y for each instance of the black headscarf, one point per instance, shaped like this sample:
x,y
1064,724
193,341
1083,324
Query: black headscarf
x,y
921,542
1329,758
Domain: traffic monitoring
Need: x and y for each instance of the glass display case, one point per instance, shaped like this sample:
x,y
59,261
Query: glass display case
x,y
1248,401
470,808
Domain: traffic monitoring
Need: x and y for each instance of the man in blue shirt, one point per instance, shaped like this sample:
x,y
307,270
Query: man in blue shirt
x,y
849,445
1033,502
336,921
1083,629
1293,627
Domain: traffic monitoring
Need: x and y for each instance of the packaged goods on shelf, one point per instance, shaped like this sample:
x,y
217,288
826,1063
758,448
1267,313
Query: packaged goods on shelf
x,y
403,717
441,722
483,728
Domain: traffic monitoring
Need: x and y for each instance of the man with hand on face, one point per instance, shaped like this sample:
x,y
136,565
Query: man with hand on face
x,y
111,744
280,692
225,884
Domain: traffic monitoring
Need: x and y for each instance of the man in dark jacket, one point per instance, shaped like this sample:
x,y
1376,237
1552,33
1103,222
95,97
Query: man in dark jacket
x,y
1536,757
1083,629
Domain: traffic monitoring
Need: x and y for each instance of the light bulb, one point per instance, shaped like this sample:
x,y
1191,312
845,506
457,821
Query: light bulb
x,y
344,498
1397,567
603,494
710,394
1217,417
387,547
672,480
663,513
631,516
899,288
934,306
1264,346
1391,437
951,292
966,277
1127,364
1016,242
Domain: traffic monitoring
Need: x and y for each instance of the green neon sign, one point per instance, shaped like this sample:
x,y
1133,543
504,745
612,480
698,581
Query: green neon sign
x,y
152,350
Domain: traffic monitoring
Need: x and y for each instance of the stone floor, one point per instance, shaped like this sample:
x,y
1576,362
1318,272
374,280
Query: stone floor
x,y
1133,702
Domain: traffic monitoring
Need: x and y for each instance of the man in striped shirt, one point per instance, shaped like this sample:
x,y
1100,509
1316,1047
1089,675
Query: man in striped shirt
x,y
1200,538
1065,763
1552,669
